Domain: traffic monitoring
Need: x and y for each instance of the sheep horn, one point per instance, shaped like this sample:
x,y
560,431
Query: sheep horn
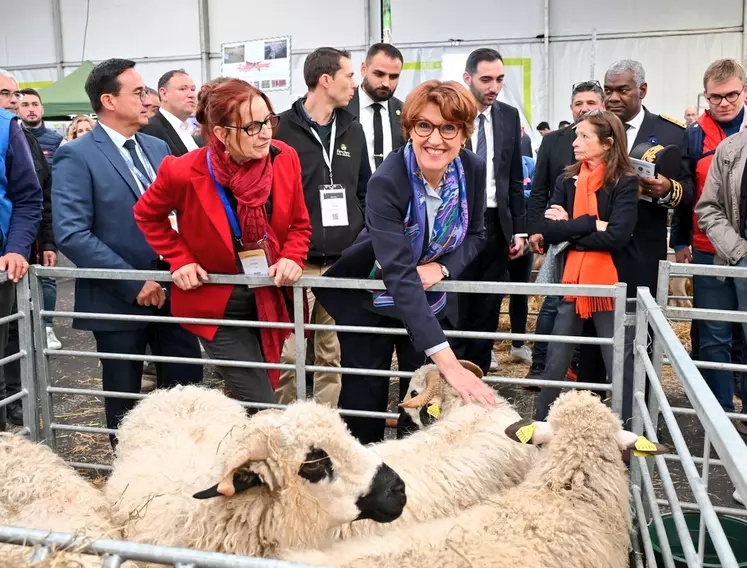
x,y
474,369
432,388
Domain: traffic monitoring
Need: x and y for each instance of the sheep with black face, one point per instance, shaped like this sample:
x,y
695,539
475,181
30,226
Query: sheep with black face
x,y
192,470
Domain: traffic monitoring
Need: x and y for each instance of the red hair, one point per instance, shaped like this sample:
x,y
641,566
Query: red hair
x,y
219,104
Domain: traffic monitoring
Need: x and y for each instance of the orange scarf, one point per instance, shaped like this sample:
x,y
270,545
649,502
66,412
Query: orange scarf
x,y
589,267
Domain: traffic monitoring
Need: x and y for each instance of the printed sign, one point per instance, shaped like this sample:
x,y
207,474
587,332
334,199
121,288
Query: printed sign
x,y
265,63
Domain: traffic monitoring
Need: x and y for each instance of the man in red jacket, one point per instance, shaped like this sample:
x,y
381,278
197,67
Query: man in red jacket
x,y
724,84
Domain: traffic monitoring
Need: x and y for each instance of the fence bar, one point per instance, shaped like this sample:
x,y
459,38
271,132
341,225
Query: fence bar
x,y
703,314
618,349
10,358
298,318
94,466
42,365
469,287
138,551
653,502
648,547
14,397
548,383
112,561
88,429
27,366
688,506
704,477
691,412
11,317
739,367
696,460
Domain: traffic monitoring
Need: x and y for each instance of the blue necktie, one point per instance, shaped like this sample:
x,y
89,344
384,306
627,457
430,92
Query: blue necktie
x,y
482,143
130,145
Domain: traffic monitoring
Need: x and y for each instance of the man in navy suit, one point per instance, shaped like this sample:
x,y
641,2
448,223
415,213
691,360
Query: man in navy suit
x,y
97,179
497,140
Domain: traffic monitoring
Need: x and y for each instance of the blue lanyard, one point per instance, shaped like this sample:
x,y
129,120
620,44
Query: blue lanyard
x,y
232,220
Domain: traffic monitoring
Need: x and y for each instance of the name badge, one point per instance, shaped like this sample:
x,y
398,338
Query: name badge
x,y
334,205
254,262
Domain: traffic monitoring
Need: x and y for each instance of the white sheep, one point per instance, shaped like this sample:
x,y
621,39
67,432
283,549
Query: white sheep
x,y
572,510
455,461
38,490
277,479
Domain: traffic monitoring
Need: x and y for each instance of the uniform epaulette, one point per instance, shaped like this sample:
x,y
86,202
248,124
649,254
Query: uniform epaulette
x,y
673,120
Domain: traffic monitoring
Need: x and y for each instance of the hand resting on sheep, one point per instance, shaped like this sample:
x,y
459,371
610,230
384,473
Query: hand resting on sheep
x,y
571,511
459,459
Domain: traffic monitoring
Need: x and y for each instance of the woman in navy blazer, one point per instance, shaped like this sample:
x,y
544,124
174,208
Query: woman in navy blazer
x,y
425,209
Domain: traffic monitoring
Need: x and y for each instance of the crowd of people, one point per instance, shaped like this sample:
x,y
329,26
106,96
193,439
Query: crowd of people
x,y
352,182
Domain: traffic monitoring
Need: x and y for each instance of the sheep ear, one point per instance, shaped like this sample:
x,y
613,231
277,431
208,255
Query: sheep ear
x,y
640,444
530,432
232,483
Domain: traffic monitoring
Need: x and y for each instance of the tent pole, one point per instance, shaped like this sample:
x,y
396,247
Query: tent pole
x,y
203,11
57,23
744,30
548,90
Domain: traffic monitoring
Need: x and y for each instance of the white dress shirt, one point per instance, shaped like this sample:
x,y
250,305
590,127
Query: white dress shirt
x,y
366,118
119,141
492,200
183,129
635,128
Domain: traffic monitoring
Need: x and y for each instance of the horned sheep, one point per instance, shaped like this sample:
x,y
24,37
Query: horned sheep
x,y
462,456
572,509
40,491
284,478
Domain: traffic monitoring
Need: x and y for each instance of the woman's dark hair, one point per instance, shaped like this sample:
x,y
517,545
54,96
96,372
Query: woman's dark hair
x,y
607,125
219,104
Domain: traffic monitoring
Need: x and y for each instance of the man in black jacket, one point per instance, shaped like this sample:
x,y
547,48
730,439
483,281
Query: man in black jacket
x,y
31,111
497,140
178,103
335,170
554,154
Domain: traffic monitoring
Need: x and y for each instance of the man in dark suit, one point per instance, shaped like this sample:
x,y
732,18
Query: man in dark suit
x,y
625,88
375,105
178,103
554,154
496,140
97,180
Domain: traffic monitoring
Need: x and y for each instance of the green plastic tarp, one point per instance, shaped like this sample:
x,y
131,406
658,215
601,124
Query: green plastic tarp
x,y
67,97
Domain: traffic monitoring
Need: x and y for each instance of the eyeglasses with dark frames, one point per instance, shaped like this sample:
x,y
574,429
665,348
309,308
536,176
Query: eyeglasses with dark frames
x,y
447,130
732,97
255,127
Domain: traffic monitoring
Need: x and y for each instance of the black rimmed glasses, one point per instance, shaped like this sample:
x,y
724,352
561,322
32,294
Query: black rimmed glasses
x,y
716,99
447,130
255,127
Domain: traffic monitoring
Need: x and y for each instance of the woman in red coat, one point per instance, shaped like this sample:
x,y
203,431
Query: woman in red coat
x,y
239,208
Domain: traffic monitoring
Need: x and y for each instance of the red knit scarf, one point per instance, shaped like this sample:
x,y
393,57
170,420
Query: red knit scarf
x,y
589,267
251,184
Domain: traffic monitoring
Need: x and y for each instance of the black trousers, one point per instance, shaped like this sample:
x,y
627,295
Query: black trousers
x,y
480,312
169,340
361,392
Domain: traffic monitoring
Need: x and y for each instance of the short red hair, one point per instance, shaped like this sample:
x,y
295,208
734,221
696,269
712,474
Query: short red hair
x,y
455,102
219,104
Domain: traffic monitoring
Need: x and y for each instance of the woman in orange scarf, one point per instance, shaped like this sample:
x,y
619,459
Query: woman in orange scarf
x,y
594,206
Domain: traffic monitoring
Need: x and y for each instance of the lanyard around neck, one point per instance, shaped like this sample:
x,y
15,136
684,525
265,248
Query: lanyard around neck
x,y
232,220
327,155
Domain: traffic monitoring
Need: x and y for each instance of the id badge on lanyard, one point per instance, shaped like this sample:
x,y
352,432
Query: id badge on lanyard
x,y
332,195
253,261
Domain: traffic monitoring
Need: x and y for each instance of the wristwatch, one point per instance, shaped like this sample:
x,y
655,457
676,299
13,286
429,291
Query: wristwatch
x,y
445,271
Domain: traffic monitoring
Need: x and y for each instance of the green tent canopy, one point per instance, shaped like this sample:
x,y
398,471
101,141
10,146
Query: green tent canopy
x,y
67,97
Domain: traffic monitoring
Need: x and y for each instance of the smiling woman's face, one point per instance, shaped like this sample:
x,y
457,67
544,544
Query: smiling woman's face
x,y
433,152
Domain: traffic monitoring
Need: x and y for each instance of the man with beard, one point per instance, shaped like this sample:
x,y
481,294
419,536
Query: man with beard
x,y
31,112
496,140
375,105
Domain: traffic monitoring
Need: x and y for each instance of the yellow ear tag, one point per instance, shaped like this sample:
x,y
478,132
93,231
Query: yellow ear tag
x,y
643,447
525,433
435,411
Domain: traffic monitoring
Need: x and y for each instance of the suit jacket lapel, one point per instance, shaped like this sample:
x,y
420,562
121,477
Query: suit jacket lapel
x,y
497,116
112,154
211,203
172,134
154,157
395,120
646,130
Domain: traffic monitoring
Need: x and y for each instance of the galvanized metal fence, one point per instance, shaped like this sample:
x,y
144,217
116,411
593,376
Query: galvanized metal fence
x,y
720,435
48,391
25,355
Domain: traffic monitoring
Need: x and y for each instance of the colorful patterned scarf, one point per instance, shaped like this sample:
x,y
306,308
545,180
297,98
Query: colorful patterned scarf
x,y
449,227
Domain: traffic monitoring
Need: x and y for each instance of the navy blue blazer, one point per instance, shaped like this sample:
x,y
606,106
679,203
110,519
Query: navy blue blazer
x,y
383,239
93,193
